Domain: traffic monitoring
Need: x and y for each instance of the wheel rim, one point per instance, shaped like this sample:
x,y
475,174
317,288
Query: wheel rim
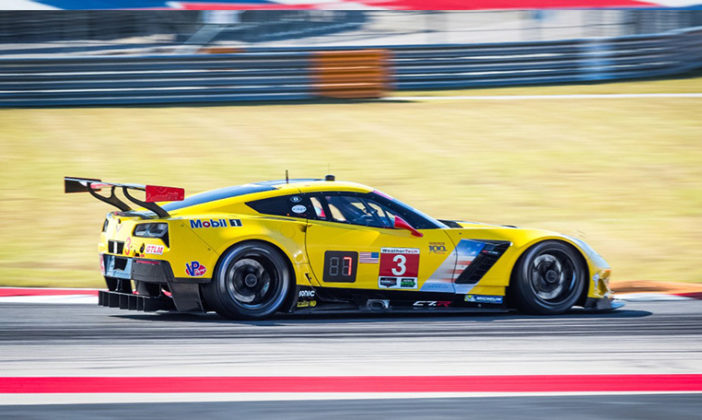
x,y
553,277
252,282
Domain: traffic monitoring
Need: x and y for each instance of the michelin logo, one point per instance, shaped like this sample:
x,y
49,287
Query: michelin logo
x,y
484,299
214,223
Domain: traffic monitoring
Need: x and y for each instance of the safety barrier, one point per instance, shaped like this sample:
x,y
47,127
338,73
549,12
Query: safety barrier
x,y
283,74
350,74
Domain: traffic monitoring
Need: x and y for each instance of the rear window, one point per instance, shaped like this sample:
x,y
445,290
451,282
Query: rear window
x,y
215,195
295,205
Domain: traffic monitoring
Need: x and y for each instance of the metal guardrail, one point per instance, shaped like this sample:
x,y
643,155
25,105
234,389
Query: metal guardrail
x,y
282,74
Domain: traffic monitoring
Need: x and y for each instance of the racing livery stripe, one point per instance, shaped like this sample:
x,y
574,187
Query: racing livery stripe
x,y
378,384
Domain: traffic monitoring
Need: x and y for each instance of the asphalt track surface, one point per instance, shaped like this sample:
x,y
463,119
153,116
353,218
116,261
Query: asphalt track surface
x,y
82,340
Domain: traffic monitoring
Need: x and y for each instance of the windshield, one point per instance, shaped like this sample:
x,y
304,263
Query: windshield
x,y
414,217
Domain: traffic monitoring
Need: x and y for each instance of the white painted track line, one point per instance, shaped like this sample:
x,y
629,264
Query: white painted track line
x,y
58,299
92,300
540,97
100,398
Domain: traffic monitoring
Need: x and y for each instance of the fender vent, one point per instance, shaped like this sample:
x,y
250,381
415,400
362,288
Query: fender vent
x,y
488,256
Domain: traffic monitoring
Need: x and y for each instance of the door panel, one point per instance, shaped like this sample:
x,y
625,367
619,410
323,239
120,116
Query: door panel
x,y
361,257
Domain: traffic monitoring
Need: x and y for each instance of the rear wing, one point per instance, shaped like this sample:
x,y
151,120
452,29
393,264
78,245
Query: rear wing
x,y
154,193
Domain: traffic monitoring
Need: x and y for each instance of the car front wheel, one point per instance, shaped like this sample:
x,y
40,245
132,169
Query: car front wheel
x,y
548,279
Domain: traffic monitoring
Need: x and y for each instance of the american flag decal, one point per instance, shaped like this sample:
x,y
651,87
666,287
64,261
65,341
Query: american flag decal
x,y
368,257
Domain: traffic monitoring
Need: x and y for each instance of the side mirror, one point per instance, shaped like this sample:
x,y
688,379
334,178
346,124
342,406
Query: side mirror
x,y
401,223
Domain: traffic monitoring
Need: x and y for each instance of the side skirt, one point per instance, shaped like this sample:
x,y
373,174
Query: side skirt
x,y
332,299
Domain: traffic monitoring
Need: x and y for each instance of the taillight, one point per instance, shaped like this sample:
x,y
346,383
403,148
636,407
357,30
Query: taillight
x,y
152,230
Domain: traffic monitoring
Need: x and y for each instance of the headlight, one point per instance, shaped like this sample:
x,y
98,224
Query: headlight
x,y
591,253
152,230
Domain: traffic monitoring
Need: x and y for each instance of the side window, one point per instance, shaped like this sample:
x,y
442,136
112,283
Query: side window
x,y
336,214
357,210
318,208
287,205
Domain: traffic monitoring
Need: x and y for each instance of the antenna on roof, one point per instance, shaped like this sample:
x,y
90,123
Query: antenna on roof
x,y
287,180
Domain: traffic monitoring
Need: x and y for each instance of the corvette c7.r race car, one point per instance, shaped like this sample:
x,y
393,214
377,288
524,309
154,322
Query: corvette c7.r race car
x,y
252,250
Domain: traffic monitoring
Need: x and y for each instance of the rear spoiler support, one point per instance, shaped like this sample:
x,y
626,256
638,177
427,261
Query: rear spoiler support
x,y
112,199
151,206
154,193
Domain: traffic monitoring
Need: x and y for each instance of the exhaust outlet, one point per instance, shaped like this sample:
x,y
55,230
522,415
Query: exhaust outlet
x,y
378,305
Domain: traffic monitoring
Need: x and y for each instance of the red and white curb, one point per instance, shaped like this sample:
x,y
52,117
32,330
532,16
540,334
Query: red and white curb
x,y
71,390
89,296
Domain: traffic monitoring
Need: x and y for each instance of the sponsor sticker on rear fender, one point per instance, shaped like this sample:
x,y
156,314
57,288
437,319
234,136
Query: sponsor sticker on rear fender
x,y
153,249
195,269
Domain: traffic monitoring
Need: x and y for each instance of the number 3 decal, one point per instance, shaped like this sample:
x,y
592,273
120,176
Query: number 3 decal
x,y
399,262
401,268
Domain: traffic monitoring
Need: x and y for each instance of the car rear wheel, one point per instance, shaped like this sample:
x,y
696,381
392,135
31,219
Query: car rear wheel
x,y
548,279
251,281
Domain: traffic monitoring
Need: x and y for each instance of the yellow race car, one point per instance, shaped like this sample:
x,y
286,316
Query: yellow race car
x,y
252,250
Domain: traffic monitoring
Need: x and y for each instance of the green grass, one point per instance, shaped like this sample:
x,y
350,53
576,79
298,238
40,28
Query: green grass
x,y
624,174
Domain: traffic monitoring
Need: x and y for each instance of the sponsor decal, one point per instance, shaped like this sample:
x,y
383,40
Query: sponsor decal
x,y
299,209
296,199
368,257
388,282
195,269
437,247
214,223
399,251
127,246
153,249
438,287
432,303
397,282
398,268
306,293
484,299
410,283
306,297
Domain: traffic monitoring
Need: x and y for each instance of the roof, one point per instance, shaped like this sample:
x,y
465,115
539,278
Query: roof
x,y
311,185
271,188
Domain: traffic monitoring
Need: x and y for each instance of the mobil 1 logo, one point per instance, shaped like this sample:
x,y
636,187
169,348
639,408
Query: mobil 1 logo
x,y
214,223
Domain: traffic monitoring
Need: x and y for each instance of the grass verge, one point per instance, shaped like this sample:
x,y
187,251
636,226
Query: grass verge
x,y
623,174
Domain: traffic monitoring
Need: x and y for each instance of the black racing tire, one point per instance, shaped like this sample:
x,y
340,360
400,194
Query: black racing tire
x,y
548,278
251,281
